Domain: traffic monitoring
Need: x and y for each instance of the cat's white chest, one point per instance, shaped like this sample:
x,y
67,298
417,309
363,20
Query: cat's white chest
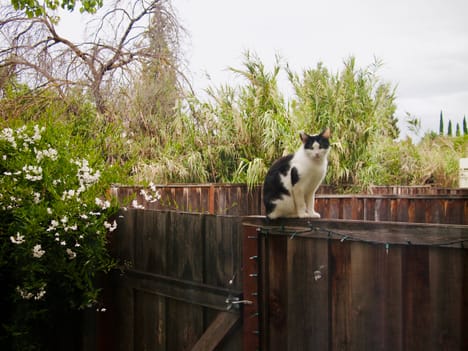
x,y
311,170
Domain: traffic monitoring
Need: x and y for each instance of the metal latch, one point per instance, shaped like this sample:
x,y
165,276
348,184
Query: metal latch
x,y
234,302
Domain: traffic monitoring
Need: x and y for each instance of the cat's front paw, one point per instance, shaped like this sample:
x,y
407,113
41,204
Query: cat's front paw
x,y
314,215
302,214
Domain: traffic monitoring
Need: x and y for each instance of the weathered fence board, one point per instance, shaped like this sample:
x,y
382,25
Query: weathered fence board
x,y
350,285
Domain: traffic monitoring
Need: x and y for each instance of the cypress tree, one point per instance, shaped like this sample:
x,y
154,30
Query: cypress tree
x,y
465,127
441,124
457,130
449,131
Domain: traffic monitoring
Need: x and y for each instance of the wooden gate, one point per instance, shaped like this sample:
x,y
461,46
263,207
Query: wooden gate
x,y
351,285
178,286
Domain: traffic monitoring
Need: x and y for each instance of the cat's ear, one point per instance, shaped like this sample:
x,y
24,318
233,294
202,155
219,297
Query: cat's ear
x,y
326,133
304,137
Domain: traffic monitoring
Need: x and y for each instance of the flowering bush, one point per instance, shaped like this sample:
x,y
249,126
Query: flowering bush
x,y
54,223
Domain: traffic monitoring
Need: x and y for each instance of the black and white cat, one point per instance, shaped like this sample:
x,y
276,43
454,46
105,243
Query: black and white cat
x,y
291,182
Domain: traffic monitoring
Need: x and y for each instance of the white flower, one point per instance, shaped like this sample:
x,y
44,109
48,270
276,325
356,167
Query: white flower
x,y
53,225
86,175
50,153
19,239
37,251
102,204
151,197
136,205
63,243
37,198
37,132
71,254
40,294
110,226
27,295
83,216
49,210
33,173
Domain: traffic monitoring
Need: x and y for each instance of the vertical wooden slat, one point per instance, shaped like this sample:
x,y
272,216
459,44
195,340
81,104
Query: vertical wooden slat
x,y
376,297
308,295
277,294
151,228
416,298
184,325
150,326
446,289
402,211
223,252
420,210
340,295
185,252
211,199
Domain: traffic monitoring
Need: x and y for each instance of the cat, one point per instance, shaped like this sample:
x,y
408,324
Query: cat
x,y
291,182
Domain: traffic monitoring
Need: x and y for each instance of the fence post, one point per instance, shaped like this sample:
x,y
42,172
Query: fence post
x,y
251,326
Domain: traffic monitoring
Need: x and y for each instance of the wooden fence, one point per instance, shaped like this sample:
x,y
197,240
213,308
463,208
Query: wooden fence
x,y
347,282
421,204
350,285
320,284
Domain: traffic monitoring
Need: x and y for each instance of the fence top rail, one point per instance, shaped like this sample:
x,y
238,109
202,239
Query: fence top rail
x,y
386,233
374,190
393,196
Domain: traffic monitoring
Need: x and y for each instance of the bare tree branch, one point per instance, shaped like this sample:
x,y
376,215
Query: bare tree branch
x,y
125,40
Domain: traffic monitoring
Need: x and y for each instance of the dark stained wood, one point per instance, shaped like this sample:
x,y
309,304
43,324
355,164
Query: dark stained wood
x,y
151,231
123,310
375,296
377,232
150,324
223,242
216,332
184,325
308,299
446,273
380,297
183,290
341,304
276,293
185,247
176,269
416,298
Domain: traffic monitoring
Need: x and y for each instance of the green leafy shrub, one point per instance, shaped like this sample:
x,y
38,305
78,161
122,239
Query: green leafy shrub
x,y
54,226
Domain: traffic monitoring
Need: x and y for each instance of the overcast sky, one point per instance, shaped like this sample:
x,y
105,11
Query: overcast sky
x,y
423,44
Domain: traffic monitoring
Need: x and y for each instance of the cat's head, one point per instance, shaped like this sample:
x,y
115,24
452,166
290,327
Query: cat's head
x,y
316,146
